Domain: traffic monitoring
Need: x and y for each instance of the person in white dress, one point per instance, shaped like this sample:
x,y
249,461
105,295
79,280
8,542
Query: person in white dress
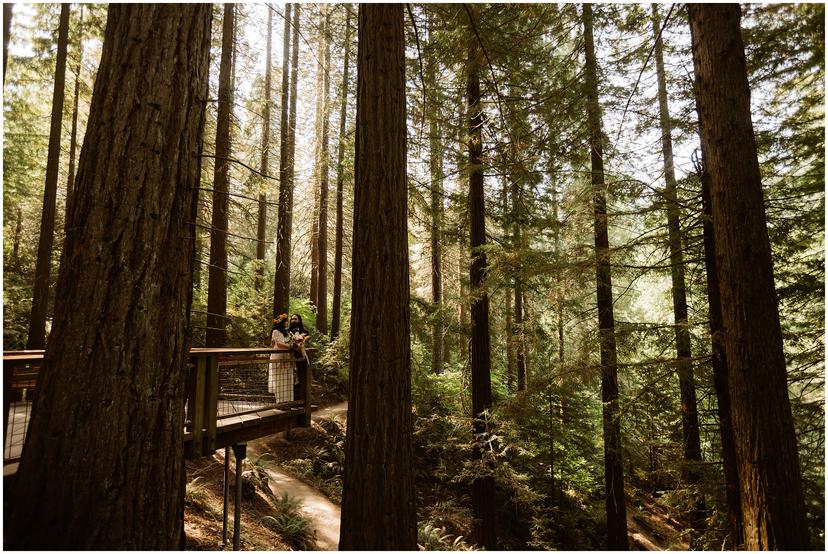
x,y
280,368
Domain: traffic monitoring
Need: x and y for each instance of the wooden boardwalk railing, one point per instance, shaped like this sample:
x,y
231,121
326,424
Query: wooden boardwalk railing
x,y
232,395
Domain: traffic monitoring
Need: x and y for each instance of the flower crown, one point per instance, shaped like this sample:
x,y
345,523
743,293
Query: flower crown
x,y
280,318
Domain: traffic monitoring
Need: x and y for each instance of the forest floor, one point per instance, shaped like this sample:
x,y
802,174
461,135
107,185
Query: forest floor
x,y
651,527
308,521
282,464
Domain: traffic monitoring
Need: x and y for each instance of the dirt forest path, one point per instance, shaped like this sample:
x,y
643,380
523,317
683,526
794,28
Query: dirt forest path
x,y
324,514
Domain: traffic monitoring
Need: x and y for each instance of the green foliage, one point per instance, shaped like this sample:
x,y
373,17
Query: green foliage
x,y
290,524
430,537
196,496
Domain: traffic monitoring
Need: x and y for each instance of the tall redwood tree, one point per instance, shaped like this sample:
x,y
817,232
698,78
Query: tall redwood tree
x,y
102,468
773,509
217,285
43,270
615,498
378,501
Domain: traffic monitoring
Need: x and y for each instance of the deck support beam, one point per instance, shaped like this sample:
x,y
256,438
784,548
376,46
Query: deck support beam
x,y
240,452
225,512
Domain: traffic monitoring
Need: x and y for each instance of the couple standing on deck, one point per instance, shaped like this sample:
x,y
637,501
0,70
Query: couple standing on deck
x,y
282,378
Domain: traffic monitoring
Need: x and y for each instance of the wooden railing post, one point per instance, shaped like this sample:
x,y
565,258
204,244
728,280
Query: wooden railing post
x,y
195,403
305,384
211,403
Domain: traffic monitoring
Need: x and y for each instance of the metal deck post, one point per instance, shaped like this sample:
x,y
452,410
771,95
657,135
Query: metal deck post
x,y
226,494
240,451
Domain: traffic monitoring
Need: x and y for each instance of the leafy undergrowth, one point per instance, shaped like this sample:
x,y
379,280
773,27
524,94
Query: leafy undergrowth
x,y
267,522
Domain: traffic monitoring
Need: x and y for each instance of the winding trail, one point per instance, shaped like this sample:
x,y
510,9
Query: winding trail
x,y
324,514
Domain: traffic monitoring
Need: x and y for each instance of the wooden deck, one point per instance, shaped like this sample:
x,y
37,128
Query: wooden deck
x,y
216,415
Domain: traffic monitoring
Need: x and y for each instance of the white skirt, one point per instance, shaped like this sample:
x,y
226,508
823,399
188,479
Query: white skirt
x,y
280,376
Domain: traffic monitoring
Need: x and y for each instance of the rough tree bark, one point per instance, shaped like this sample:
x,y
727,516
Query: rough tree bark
x,y
324,163
378,500
217,277
483,527
720,377
613,469
340,179
102,468
284,225
684,355
40,301
261,220
773,508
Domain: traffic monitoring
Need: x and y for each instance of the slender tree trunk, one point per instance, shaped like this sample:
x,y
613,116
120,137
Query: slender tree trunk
x,y
520,352
322,248
378,500
281,287
613,468
103,468
217,279
73,140
320,117
436,174
40,301
510,341
556,237
483,529
684,363
18,230
340,180
7,17
766,451
261,227
720,373
284,144
462,339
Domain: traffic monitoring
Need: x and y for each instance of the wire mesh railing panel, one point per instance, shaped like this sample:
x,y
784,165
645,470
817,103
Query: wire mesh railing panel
x,y
20,394
253,383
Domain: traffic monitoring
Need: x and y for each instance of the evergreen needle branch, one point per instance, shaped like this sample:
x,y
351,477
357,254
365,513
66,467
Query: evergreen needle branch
x,y
241,163
422,73
640,73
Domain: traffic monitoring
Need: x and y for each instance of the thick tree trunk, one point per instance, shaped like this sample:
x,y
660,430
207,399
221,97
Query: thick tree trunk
x,y
435,148
43,270
7,17
766,451
73,136
483,529
217,277
281,286
261,220
103,468
378,500
720,377
684,363
340,180
322,248
613,469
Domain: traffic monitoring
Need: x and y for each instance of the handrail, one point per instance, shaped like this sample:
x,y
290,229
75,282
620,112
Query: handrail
x,y
21,370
